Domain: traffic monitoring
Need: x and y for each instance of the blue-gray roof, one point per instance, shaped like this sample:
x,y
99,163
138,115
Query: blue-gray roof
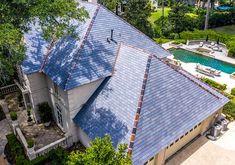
x,y
173,103
73,63
112,108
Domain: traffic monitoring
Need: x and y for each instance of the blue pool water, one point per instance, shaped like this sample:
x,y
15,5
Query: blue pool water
x,y
190,57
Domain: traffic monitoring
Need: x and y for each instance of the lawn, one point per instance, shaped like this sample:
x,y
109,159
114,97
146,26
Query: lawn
x,y
226,29
157,14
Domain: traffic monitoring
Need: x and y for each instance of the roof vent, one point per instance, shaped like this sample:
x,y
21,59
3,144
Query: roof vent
x,y
109,39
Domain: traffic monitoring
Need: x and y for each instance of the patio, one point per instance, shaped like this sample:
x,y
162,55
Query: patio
x,y
42,135
205,152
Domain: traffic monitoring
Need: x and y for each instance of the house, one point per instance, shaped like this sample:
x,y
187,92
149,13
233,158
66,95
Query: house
x,y
116,80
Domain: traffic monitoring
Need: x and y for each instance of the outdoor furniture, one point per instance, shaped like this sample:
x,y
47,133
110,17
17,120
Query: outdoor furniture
x,y
201,44
215,48
212,43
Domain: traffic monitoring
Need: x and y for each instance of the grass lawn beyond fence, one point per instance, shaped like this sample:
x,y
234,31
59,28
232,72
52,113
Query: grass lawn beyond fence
x,y
157,14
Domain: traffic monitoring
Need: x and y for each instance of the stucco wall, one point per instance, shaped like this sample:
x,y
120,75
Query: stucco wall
x,y
38,90
77,97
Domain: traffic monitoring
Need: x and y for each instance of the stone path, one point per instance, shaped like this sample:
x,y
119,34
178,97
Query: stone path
x,y
4,130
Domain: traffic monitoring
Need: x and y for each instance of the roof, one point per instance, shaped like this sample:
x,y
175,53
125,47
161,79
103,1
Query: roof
x,y
174,102
147,104
113,106
73,62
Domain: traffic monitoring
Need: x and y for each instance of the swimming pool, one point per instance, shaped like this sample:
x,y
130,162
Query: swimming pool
x,y
190,57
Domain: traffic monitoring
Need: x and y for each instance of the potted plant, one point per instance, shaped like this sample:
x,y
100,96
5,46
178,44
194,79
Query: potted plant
x,y
45,113
13,116
30,143
20,100
29,117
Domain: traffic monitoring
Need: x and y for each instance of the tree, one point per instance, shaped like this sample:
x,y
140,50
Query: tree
x,y
177,17
110,4
16,16
207,14
137,13
101,152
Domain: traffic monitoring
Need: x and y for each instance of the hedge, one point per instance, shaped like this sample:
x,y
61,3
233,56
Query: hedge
x,y
227,39
214,84
229,109
233,91
55,156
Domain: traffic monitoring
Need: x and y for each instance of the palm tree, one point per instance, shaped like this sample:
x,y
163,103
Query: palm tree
x,y
207,14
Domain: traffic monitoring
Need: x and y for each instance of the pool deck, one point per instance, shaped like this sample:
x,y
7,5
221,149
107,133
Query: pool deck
x,y
190,67
222,56
223,79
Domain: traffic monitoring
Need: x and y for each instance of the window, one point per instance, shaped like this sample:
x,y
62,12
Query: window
x,y
59,115
56,89
191,130
177,140
186,133
151,159
181,137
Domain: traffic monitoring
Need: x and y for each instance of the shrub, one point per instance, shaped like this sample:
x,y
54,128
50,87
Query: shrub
x,y
2,114
30,143
2,96
214,84
229,109
45,112
55,156
16,150
13,116
233,91
29,116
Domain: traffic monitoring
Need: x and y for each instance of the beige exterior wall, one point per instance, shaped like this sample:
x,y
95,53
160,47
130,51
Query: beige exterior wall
x,y
204,126
42,90
77,97
38,90
208,122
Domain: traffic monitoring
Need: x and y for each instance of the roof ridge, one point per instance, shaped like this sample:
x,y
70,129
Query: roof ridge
x,y
46,55
82,44
141,97
188,77
150,39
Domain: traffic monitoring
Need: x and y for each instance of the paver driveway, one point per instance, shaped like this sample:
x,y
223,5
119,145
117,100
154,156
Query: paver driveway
x,y
206,152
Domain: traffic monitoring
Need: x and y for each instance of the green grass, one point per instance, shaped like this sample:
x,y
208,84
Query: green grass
x,y
157,14
226,29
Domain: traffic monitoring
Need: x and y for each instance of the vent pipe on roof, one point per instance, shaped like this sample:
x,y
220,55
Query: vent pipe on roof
x,y
111,38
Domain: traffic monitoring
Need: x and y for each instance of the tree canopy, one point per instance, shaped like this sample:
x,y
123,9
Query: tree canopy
x,y
101,152
54,17
137,13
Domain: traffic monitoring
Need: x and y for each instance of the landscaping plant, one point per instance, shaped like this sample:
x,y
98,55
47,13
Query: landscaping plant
x,y
45,112
13,116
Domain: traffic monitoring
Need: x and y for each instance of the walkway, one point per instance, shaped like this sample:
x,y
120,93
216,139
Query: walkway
x,y
206,152
4,130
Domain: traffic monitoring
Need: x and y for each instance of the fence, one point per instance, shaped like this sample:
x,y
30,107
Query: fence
x,y
64,143
9,89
